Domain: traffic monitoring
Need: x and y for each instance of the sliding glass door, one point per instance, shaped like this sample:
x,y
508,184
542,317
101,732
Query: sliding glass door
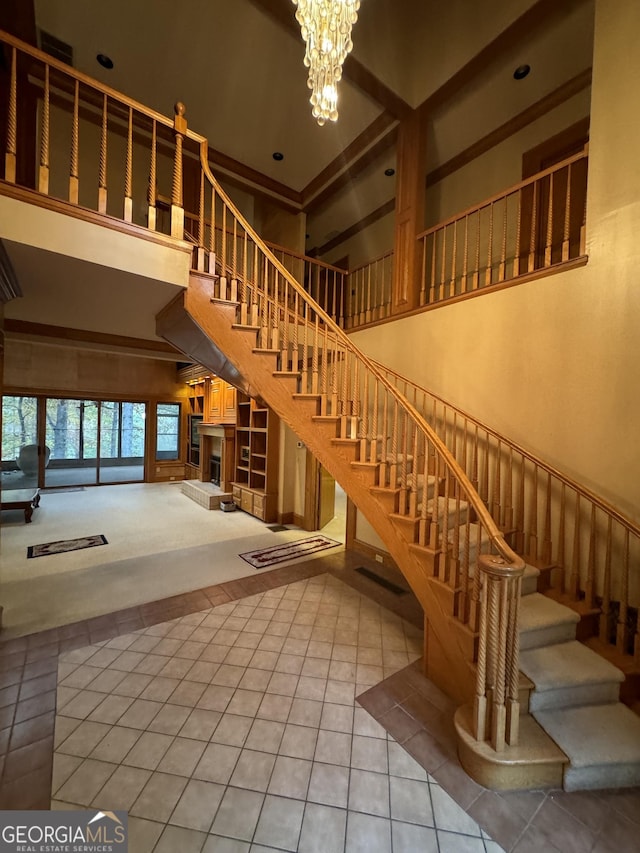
x,y
71,434
122,436
59,442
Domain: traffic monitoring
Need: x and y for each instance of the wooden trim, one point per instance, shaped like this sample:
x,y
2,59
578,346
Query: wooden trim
x,y
89,394
352,172
520,31
286,518
495,137
65,333
378,213
574,137
574,263
350,524
103,219
350,153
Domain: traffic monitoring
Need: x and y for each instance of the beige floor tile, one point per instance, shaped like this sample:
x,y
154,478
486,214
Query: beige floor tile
x,y
115,745
232,730
82,704
201,724
182,757
275,707
238,814
298,741
369,793
132,684
215,698
290,777
63,767
122,788
202,671
143,834
148,750
198,805
333,748
410,801
159,797
329,785
253,770
337,718
369,754
280,823
187,693
85,782
265,735
84,739
169,719
175,838
217,763
245,703
368,834
111,709
159,688
323,830
140,713
228,675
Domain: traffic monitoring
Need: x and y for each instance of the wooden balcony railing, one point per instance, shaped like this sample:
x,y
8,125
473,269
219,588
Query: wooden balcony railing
x,y
532,226
369,296
591,551
94,148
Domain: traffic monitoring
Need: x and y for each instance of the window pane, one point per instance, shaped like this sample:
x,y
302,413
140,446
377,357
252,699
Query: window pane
x,y
168,431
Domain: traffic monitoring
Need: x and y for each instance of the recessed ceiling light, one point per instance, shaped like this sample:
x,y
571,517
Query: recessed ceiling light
x,y
278,155
521,72
389,172
105,61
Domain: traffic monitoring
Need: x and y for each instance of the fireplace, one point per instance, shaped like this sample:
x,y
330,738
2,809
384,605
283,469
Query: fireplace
x,y
215,469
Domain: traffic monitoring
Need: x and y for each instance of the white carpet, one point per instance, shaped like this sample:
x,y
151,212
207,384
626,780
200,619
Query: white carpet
x,y
160,544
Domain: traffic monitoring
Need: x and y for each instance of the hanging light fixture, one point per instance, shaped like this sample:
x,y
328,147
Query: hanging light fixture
x,y
326,29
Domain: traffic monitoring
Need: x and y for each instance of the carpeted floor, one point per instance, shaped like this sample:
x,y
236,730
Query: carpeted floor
x,y
160,544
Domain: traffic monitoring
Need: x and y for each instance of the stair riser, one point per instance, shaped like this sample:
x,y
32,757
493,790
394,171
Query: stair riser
x,y
571,697
547,636
529,585
601,776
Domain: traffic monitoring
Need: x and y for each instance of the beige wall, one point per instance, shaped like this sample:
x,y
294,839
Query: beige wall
x,y
554,363
500,167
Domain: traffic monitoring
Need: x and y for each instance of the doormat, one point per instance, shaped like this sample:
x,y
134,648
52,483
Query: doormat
x,y
63,545
264,557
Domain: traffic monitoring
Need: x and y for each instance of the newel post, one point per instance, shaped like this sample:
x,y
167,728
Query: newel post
x,y
496,706
177,210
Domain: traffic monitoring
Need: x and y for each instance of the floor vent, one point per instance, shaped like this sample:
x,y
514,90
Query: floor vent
x,y
392,587
276,528
56,47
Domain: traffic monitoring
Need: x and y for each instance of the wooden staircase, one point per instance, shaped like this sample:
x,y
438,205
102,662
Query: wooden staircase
x,y
335,439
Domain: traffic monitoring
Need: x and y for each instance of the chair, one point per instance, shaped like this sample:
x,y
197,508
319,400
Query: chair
x,y
28,459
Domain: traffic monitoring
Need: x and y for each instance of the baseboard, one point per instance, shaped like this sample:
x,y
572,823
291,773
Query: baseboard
x,y
287,518
374,553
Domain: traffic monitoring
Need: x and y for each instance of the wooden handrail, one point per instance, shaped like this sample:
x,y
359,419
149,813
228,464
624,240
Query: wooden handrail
x,y
587,577
634,528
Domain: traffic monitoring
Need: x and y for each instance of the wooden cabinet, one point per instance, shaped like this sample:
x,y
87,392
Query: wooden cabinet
x,y
214,400
229,403
255,488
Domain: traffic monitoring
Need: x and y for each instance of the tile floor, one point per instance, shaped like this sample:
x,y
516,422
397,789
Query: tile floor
x,y
236,729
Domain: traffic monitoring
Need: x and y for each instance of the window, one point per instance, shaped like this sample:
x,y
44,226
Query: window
x,y
168,431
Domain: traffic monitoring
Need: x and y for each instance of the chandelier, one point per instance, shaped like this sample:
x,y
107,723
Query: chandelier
x,y
326,30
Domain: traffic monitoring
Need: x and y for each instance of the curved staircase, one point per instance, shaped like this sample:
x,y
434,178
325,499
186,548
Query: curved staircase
x,y
404,479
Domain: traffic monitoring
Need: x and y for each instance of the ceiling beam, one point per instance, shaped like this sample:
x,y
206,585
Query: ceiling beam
x,y
540,15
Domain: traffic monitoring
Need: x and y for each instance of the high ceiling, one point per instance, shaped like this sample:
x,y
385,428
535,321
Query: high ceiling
x,y
237,65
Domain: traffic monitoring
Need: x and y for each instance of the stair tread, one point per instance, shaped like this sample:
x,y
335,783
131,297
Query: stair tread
x,y
594,734
566,665
537,612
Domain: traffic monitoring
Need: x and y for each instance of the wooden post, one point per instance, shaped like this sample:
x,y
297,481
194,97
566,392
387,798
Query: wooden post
x,y
177,211
410,196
